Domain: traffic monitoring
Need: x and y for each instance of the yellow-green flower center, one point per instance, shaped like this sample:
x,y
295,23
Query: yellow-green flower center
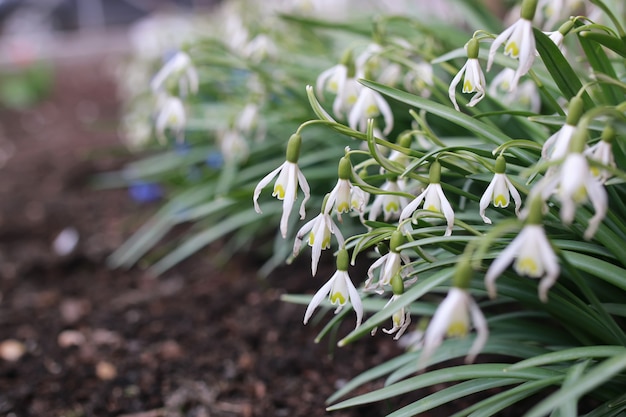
x,y
511,49
337,297
279,191
527,266
500,200
457,329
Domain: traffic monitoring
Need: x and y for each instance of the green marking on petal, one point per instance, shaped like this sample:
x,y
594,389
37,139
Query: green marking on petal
x,y
337,297
372,110
500,200
511,49
457,329
311,239
527,266
467,86
391,207
432,208
343,207
279,192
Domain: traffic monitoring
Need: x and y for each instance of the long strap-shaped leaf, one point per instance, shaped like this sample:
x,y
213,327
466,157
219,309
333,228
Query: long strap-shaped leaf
x,y
561,71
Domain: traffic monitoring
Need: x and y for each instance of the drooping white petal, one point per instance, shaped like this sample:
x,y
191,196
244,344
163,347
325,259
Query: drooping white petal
x,y
412,206
515,194
440,323
497,42
551,266
304,185
502,261
262,184
308,226
447,210
482,331
355,300
486,199
599,199
453,84
319,297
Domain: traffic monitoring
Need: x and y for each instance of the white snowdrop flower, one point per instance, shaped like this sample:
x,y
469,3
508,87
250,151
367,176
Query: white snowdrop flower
x,y
474,80
234,146
602,152
574,183
178,68
531,254
248,119
235,32
390,204
171,115
391,74
557,145
434,200
498,191
519,42
454,317
400,319
419,79
319,230
345,196
369,105
340,290
286,186
524,97
390,265
340,80
260,48
331,79
369,56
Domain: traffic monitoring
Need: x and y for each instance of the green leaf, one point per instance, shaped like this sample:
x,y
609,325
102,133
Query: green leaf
x,y
598,375
599,268
601,65
502,400
570,355
456,373
614,44
452,393
456,348
194,243
561,71
479,128
376,372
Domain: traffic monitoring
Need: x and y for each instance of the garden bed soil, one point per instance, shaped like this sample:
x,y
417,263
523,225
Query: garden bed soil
x,y
80,339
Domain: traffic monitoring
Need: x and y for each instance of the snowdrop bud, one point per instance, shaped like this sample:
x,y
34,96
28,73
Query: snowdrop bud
x,y
578,142
535,213
397,239
397,285
293,148
405,139
528,9
463,274
344,171
500,165
434,175
608,134
343,260
566,27
574,111
348,61
472,48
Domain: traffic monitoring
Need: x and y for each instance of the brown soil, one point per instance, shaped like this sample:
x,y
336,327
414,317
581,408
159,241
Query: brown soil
x,y
201,340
